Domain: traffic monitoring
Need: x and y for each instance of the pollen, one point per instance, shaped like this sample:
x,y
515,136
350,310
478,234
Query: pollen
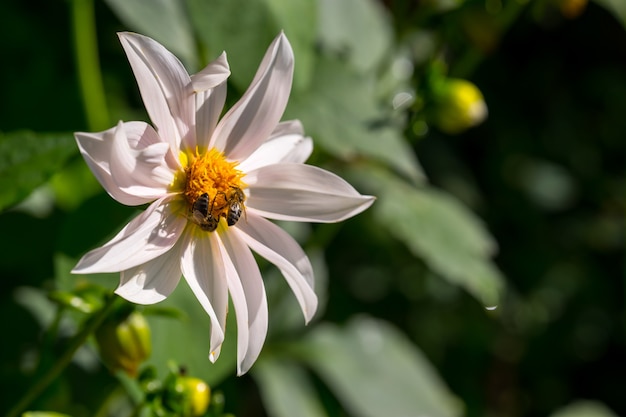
x,y
211,174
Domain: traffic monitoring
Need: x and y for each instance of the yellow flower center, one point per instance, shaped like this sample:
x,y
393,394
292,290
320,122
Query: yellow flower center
x,y
212,189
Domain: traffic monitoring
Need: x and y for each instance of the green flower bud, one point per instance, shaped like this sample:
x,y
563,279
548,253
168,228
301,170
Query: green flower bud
x,y
124,342
188,396
459,105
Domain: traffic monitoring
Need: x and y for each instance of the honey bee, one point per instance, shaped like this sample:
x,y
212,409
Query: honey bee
x,y
202,215
235,206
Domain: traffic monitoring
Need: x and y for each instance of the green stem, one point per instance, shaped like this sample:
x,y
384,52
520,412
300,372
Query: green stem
x,y
88,64
51,374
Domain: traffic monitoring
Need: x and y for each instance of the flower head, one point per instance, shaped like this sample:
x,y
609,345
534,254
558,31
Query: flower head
x,y
211,185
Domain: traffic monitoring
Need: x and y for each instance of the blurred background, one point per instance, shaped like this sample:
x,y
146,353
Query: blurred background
x,y
486,280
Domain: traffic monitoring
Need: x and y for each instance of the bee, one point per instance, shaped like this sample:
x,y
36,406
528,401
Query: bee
x,y
202,215
235,206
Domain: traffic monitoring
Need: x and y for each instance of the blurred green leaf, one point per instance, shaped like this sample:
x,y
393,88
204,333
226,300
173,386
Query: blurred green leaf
x,y
357,29
286,388
187,341
74,301
43,414
340,111
244,29
616,7
37,303
375,371
164,20
298,18
74,184
584,409
28,159
437,227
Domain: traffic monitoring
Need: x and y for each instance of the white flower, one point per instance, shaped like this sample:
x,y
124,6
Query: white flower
x,y
211,184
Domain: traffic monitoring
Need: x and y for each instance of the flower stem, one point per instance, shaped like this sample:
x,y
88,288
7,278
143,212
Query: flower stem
x,y
88,64
77,341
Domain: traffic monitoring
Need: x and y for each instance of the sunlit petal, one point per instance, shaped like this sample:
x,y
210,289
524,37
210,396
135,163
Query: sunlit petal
x,y
165,87
210,87
153,281
147,236
253,118
253,291
301,192
206,276
214,74
141,172
286,144
275,245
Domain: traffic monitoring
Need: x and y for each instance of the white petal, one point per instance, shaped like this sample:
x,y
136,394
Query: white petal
x,y
238,297
301,192
96,148
255,325
141,172
147,236
153,281
165,88
253,118
275,245
210,86
206,275
286,144
214,74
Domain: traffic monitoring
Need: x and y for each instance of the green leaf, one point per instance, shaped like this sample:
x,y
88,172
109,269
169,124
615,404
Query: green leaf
x,y
242,28
375,371
358,29
164,20
74,184
36,302
584,409
298,18
285,388
441,230
187,341
339,112
616,7
29,159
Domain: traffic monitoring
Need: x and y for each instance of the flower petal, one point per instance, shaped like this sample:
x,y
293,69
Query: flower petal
x,y
147,236
253,118
139,172
214,74
238,297
153,281
301,192
96,148
286,144
250,292
210,87
165,87
205,273
278,247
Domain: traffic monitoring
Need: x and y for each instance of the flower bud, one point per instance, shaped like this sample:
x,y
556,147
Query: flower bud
x,y
459,105
124,342
188,396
